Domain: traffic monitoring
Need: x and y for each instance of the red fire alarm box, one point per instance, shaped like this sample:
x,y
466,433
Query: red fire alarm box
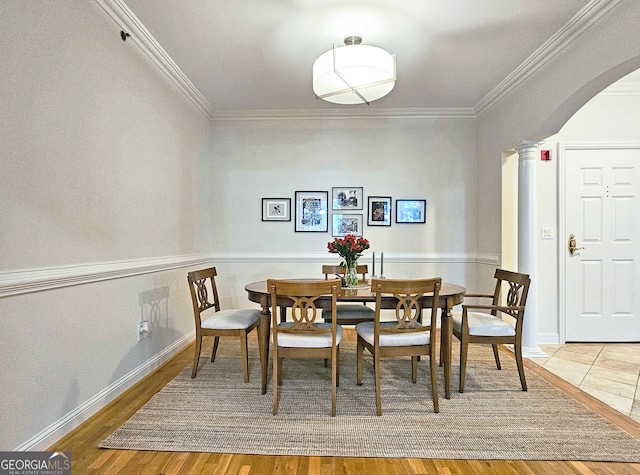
x,y
545,155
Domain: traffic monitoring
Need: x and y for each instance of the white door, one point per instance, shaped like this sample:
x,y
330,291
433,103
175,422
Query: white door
x,y
602,276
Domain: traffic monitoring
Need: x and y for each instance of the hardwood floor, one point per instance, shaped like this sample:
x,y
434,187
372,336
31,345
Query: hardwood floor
x,y
87,458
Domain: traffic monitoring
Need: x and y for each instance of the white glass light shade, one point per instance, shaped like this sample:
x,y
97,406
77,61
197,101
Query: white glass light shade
x,y
354,74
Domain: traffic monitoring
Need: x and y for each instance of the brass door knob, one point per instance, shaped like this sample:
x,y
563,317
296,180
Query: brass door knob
x,y
572,245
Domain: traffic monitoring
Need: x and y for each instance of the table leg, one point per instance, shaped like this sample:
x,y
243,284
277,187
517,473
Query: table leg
x,y
264,334
445,342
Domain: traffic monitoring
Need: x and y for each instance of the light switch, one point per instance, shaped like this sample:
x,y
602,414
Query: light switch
x,y
546,233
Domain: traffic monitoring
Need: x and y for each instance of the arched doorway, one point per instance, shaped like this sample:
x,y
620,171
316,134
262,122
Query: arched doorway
x,y
581,127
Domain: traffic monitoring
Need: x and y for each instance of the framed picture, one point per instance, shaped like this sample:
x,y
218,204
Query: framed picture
x,y
410,211
311,211
346,197
344,224
276,209
379,211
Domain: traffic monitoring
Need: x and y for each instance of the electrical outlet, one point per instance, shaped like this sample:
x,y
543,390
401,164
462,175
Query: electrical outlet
x,y
143,329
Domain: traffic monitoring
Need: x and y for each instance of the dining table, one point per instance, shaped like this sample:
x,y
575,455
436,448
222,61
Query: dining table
x,y
450,296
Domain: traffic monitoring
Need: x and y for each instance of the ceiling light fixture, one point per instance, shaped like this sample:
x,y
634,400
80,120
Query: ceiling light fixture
x,y
354,73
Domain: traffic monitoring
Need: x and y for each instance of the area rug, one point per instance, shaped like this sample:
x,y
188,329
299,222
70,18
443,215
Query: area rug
x,y
493,419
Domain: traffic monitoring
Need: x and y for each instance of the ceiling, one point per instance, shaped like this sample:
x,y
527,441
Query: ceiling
x,y
248,56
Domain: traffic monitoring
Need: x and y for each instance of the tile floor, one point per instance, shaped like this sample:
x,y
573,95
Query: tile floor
x,y
607,371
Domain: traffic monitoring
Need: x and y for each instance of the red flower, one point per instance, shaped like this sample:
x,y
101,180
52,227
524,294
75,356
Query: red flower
x,y
350,248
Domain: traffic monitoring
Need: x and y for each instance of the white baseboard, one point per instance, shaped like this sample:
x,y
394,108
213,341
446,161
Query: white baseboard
x,y
48,436
548,339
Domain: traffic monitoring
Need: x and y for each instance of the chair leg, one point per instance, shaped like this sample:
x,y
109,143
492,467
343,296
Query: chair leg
x,y
518,351
280,360
464,347
360,350
334,382
215,348
496,355
376,376
414,369
274,383
338,366
261,350
245,357
196,356
434,382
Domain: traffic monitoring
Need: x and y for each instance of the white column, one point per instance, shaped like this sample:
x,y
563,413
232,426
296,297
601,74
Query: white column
x,y
528,154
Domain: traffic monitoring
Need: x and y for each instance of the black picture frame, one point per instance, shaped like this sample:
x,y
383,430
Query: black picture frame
x,y
276,209
343,224
312,211
346,197
411,211
379,211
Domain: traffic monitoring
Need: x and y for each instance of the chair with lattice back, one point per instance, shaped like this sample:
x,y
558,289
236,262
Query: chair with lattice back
x,y
408,335
348,313
304,336
484,324
210,320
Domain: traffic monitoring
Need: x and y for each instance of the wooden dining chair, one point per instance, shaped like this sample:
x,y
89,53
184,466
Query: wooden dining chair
x,y
304,336
210,320
484,323
407,335
348,314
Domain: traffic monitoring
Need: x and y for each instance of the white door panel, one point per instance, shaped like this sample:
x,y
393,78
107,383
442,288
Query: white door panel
x,y
602,210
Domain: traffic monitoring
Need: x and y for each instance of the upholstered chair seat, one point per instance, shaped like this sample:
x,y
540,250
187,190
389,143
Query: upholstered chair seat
x,y
366,330
483,324
231,319
316,340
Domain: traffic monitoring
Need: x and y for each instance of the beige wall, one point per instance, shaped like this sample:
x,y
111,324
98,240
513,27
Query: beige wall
x,y
100,160
426,158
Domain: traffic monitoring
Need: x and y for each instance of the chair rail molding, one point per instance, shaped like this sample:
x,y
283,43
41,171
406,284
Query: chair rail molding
x,y
35,280
406,258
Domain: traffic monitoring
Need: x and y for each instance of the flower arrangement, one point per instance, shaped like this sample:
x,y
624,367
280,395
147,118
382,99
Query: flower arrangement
x,y
349,248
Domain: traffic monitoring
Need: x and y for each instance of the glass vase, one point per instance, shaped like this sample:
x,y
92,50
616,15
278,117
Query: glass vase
x,y
351,276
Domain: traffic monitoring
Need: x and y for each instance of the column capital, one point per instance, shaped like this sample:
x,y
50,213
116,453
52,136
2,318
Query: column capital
x,y
527,149
527,145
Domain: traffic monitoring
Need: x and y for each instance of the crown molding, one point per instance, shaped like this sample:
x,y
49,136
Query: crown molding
x,y
432,113
128,22
581,22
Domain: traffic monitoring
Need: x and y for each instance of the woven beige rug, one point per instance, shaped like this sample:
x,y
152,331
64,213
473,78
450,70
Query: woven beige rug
x,y
493,419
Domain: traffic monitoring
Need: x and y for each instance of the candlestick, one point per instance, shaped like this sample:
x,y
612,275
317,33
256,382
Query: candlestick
x,y
373,269
382,263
